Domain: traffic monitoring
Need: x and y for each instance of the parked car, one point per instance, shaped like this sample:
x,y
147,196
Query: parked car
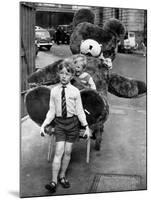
x,y
36,48
43,38
38,27
52,32
128,45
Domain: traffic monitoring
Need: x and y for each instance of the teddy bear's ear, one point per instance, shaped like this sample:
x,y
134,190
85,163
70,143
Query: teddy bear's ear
x,y
115,26
37,103
83,15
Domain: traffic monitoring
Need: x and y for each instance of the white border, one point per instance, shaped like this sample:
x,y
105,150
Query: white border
x,y
9,100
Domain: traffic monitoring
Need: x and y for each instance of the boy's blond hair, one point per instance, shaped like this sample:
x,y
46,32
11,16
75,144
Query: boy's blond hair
x,y
68,64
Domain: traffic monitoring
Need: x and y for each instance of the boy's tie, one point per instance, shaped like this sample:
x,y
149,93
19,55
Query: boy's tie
x,y
63,97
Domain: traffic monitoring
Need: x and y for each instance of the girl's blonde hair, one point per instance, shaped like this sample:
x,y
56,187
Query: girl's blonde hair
x,y
80,56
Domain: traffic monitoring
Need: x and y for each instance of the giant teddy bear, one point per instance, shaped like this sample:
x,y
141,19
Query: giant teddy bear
x,y
94,102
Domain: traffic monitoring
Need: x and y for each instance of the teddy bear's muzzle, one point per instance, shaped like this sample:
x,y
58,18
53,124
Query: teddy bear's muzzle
x,y
106,61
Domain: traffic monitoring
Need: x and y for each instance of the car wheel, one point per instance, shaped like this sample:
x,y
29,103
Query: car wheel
x,y
48,48
36,52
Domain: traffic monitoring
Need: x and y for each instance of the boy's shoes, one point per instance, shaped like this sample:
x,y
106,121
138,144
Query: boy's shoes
x,y
51,187
64,182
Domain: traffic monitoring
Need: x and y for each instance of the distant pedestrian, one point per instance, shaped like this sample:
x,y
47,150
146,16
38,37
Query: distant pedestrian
x,y
80,62
143,48
62,35
66,107
58,36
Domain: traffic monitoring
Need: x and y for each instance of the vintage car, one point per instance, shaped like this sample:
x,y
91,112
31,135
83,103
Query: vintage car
x,y
43,38
128,45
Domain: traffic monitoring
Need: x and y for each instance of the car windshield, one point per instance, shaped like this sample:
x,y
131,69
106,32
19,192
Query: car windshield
x,y
42,33
65,27
37,27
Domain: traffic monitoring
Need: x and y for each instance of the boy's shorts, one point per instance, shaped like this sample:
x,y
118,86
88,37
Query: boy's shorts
x,y
67,129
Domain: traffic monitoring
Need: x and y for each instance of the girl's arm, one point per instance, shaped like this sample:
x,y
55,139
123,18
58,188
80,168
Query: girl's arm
x,y
92,84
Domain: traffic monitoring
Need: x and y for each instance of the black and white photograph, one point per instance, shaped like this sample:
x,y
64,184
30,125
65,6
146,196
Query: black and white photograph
x,y
83,99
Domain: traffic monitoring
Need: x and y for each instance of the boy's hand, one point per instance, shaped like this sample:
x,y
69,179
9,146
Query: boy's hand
x,y
87,133
42,131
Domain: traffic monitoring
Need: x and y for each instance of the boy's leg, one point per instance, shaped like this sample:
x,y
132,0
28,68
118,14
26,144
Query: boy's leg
x,y
59,150
66,158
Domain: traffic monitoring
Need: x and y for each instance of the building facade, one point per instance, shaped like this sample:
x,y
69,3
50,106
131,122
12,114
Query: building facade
x,y
135,20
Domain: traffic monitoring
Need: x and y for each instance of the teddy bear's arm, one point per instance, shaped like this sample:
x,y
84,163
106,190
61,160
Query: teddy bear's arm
x,y
126,87
45,76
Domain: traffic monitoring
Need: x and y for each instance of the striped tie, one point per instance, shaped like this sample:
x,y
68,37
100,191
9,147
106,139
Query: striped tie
x,y
64,109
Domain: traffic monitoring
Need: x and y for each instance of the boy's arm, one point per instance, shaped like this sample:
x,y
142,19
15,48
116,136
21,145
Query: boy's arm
x,y
81,115
80,111
50,114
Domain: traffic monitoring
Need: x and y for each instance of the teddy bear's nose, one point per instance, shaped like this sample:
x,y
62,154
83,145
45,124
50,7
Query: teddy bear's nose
x,y
90,47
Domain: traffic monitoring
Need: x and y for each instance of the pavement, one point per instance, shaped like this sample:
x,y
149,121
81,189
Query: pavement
x,y
54,54
123,151
123,148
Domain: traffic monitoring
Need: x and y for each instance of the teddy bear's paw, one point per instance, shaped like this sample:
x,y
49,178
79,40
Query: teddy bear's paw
x,y
126,87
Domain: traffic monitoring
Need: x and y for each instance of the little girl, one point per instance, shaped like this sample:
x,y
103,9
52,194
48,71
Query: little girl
x,y
81,76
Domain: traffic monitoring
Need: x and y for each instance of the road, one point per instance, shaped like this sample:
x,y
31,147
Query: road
x,y
123,149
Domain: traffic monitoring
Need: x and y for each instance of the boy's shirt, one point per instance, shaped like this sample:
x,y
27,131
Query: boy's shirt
x,y
73,104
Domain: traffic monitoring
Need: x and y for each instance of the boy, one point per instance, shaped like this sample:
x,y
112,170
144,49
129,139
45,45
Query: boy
x,y
66,107
84,78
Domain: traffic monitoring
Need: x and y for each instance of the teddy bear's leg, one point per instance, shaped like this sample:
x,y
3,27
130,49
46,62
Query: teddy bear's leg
x,y
98,135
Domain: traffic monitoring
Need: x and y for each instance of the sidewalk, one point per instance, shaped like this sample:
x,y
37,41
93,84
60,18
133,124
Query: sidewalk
x,y
123,151
140,52
47,59
57,52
